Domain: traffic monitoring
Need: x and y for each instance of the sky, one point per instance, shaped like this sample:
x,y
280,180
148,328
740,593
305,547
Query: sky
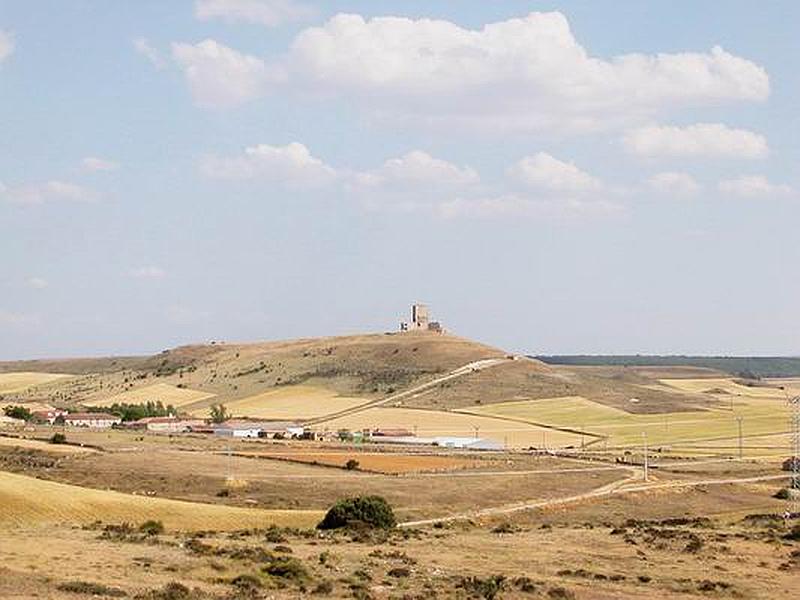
x,y
550,177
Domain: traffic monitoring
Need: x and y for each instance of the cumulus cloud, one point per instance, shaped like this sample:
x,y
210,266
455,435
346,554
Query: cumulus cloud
x,y
37,283
752,186
143,47
672,182
17,320
148,272
6,45
221,77
292,165
93,163
547,172
713,140
270,13
523,74
49,191
418,168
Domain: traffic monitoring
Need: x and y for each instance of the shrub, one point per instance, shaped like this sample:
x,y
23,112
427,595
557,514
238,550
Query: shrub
x,y
351,465
286,567
487,588
323,588
152,527
399,572
560,593
18,412
90,589
367,510
58,438
247,583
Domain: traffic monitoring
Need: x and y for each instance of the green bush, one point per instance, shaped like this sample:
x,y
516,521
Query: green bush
x,y
18,412
58,438
152,527
362,510
90,589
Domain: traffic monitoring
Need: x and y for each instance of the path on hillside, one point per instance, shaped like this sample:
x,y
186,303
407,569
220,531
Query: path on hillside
x,y
612,489
473,367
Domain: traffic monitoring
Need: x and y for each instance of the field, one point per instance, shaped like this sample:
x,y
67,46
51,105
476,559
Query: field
x,y
762,410
165,393
17,382
295,402
701,524
41,446
378,462
430,423
28,501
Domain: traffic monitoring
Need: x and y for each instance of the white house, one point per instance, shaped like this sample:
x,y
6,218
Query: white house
x,y
93,420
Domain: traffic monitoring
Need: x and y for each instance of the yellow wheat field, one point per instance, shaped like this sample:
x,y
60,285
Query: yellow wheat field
x,y
28,501
431,423
290,402
167,394
759,417
18,382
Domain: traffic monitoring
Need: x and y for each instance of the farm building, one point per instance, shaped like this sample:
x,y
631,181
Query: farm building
x,y
394,432
264,429
465,443
165,424
93,420
236,431
48,416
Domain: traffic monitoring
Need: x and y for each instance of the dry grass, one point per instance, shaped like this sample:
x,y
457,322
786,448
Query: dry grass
x,y
27,501
376,462
15,442
165,393
290,402
430,423
17,382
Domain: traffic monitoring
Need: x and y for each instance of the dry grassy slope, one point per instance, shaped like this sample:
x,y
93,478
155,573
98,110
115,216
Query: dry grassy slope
x,y
533,380
364,365
368,366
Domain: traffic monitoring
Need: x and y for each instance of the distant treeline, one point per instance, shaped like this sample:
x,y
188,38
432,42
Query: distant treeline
x,y
741,366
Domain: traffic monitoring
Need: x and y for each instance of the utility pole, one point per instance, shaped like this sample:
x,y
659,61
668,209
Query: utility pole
x,y
794,487
583,436
741,451
645,462
477,429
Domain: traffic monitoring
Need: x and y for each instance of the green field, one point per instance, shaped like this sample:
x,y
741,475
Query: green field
x,y
708,428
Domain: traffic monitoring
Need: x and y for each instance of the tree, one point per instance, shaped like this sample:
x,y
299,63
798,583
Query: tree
x,y
351,465
373,511
219,414
18,412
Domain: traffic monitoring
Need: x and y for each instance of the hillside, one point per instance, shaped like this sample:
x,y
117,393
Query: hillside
x,y
327,375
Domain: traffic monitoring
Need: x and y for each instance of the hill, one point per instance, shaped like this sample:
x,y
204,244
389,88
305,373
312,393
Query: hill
x,y
328,375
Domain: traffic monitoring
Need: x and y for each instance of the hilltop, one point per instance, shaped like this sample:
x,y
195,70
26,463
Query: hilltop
x,y
338,372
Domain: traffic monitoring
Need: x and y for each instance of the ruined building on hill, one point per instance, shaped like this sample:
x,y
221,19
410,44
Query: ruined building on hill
x,y
420,320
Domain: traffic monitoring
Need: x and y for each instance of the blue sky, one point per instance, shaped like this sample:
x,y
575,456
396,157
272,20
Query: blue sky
x,y
551,177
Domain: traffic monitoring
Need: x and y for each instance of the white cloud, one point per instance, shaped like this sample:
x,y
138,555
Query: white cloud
x,y
92,163
6,45
526,74
37,283
713,140
292,165
418,168
148,272
50,191
221,77
14,320
544,171
672,182
513,205
751,186
143,47
270,13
